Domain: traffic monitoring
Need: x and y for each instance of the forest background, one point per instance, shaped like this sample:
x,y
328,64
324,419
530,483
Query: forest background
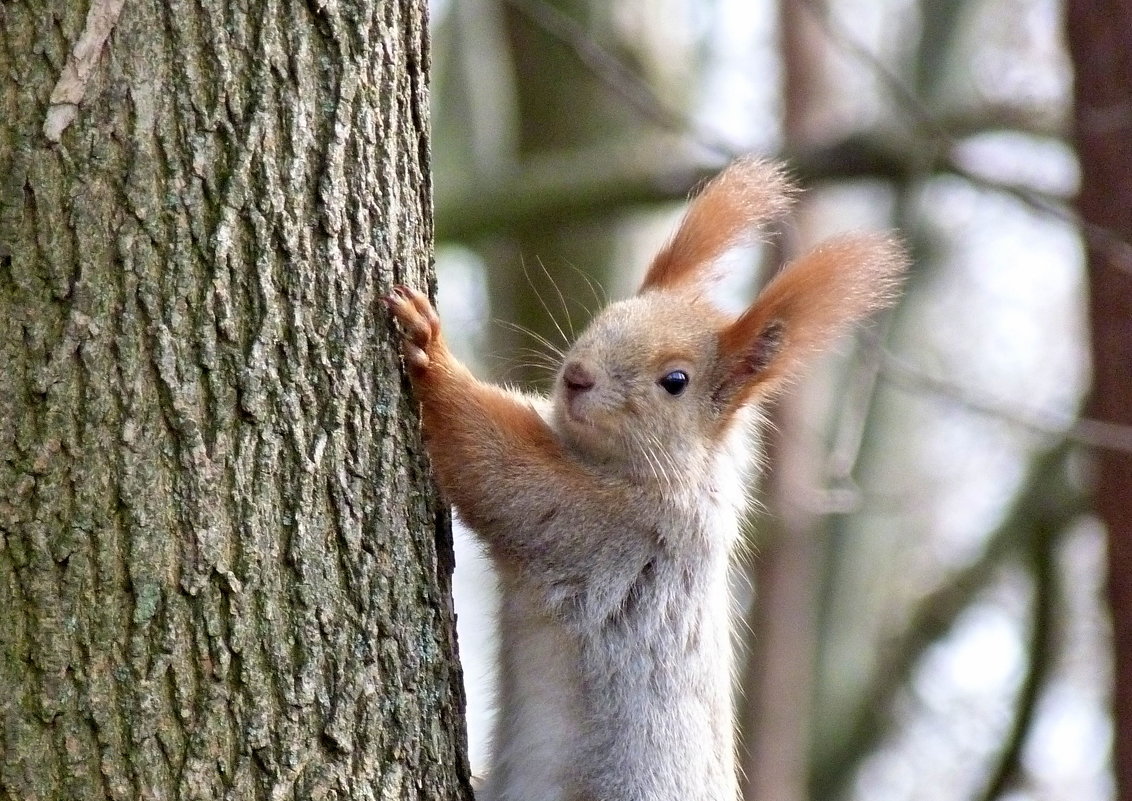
x,y
926,608
224,572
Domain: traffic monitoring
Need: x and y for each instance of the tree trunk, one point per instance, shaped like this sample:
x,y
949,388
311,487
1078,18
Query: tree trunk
x,y
1098,42
541,272
779,678
222,571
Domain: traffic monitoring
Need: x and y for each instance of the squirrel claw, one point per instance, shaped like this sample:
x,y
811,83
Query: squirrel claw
x,y
419,322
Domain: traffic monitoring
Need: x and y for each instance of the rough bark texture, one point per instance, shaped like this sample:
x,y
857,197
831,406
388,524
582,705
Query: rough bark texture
x,y
222,574
1098,33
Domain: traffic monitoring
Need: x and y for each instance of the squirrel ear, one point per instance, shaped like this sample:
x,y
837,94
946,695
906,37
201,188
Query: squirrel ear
x,y
722,216
804,307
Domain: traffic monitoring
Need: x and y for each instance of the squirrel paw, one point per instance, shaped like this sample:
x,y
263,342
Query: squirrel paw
x,y
420,324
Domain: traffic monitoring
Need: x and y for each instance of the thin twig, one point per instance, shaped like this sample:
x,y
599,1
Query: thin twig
x,y
1043,626
1097,236
939,140
616,74
1094,433
1047,501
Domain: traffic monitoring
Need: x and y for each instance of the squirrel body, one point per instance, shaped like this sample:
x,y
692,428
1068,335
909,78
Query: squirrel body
x,y
650,631
610,510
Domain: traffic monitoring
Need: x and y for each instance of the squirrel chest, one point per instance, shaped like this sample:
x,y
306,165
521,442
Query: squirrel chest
x,y
602,675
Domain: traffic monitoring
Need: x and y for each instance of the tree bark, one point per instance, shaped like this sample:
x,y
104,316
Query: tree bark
x,y
1097,33
222,570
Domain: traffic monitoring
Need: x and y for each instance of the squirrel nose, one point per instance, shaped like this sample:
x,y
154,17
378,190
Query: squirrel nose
x,y
578,378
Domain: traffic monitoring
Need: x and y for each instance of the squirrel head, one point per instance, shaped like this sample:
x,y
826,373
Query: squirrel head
x,y
661,378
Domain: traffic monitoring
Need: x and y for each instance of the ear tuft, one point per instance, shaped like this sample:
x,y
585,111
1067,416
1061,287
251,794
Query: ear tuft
x,y
724,215
807,305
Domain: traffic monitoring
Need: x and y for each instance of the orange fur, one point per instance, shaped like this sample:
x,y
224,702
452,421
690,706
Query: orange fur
x,y
476,429
723,216
808,304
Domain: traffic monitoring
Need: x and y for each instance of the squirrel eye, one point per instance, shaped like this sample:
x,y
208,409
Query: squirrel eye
x,y
675,382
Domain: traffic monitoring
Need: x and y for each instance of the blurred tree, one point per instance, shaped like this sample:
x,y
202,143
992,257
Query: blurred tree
x,y
1098,35
550,111
222,573
779,684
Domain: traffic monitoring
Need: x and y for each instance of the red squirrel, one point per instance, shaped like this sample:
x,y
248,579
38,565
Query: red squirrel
x,y
610,509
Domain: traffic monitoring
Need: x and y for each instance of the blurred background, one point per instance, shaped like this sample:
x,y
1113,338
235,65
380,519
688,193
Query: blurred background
x,y
923,597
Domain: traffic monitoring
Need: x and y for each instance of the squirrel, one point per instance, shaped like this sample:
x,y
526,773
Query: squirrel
x,y
610,509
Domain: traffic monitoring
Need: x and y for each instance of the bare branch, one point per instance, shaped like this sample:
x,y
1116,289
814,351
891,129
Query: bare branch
x,y
932,142
1047,502
1043,624
1093,433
